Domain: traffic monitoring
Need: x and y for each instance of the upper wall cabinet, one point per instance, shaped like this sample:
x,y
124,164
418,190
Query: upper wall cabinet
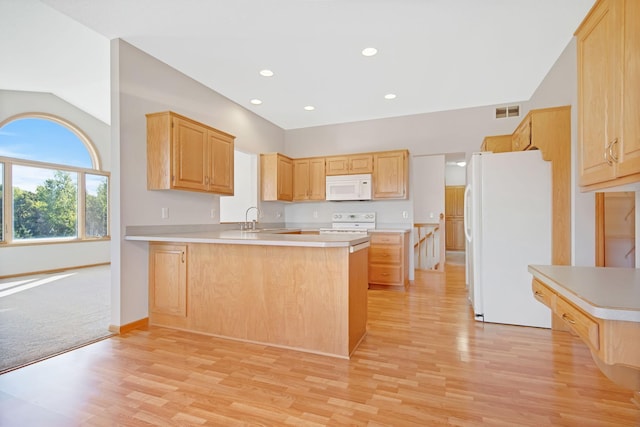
x,y
348,165
309,179
276,177
391,174
521,138
608,94
496,143
183,154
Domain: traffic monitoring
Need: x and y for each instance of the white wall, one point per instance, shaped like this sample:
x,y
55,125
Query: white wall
x,y
455,175
142,84
428,181
25,259
245,188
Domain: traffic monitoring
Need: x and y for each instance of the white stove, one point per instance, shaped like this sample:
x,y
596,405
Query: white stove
x,y
351,222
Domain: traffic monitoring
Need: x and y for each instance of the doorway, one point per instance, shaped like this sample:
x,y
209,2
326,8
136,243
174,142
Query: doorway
x,y
454,217
615,229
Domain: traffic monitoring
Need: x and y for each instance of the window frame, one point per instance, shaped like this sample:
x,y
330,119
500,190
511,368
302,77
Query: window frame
x,y
7,238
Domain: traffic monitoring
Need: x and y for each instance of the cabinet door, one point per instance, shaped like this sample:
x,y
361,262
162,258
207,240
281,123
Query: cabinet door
x,y
521,139
599,80
630,155
497,143
301,176
190,160
361,163
390,175
337,165
221,164
317,179
168,279
285,178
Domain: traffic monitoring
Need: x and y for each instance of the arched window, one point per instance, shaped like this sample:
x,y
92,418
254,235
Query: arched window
x,y
51,185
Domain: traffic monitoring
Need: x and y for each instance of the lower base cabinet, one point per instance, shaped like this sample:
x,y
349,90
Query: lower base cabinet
x,y
389,258
167,280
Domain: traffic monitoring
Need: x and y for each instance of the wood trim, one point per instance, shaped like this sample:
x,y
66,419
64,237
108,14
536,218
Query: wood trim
x,y
123,329
600,253
57,270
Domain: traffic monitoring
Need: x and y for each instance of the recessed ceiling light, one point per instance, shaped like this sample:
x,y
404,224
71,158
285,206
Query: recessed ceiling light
x,y
390,96
309,108
369,51
256,101
266,73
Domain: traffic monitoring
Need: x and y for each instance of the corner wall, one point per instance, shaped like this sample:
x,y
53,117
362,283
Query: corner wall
x,y
142,84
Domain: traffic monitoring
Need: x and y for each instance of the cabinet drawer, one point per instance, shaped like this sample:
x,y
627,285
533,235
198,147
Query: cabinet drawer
x,y
385,275
543,293
385,254
386,238
586,327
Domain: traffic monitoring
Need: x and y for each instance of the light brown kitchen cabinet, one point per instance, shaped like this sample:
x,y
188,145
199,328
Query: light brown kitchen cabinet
x,y
183,154
391,174
521,138
496,143
167,280
276,177
309,181
389,258
349,165
608,42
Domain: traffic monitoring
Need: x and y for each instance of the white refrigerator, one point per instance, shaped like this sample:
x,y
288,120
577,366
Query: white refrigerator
x,y
507,227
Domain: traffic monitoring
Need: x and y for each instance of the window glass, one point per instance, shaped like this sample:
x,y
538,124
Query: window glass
x,y
96,208
45,203
43,140
1,202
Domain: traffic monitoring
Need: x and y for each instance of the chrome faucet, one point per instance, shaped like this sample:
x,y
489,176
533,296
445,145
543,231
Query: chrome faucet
x,y
246,221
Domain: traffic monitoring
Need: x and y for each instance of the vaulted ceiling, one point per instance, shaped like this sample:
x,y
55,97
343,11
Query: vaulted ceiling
x,y
433,55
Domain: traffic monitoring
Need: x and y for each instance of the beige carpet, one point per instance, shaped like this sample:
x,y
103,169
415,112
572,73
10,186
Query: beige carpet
x,y
47,314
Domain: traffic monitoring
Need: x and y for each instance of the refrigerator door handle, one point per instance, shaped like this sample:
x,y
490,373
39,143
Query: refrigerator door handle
x,y
467,214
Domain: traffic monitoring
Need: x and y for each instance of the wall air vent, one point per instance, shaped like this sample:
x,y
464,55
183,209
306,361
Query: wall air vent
x,y
510,111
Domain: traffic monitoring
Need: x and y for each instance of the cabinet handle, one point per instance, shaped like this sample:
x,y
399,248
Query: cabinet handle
x,y
206,180
538,294
183,257
566,318
612,155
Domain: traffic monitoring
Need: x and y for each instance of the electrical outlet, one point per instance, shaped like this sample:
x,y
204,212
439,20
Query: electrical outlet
x,y
213,213
315,214
405,214
164,213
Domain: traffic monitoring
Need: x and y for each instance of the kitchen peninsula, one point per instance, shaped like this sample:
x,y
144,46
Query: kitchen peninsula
x,y
602,306
298,291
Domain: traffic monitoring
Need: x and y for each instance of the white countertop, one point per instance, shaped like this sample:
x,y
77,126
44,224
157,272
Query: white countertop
x,y
603,292
237,237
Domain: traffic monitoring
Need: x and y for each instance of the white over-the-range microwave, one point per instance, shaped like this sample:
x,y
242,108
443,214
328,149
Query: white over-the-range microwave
x,y
348,187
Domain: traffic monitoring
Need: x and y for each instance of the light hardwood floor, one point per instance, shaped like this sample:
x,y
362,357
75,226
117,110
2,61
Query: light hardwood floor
x,y
424,362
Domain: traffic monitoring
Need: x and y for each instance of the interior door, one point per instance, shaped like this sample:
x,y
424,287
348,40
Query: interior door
x,y
454,217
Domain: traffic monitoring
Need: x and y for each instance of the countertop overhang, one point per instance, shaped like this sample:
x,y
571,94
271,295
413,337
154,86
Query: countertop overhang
x,y
604,292
238,237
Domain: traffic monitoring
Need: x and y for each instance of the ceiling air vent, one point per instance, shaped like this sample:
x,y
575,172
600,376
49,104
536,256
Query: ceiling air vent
x,y
510,111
